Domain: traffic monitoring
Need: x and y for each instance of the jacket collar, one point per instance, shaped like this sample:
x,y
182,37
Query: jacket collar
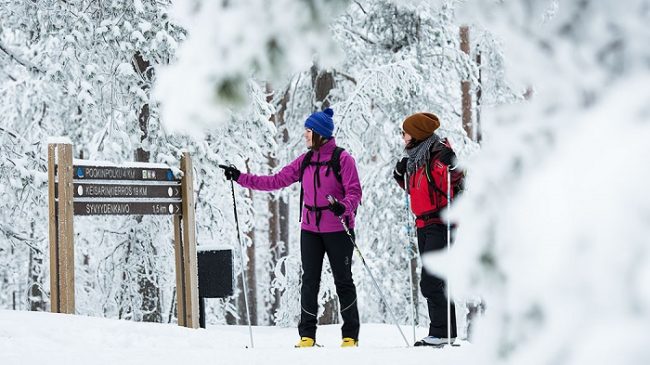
x,y
327,148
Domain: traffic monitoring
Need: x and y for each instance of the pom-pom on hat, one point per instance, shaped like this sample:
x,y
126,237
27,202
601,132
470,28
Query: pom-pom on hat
x,y
420,126
321,123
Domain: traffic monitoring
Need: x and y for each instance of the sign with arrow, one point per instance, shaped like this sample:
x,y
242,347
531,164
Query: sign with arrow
x,y
101,188
94,207
154,173
123,189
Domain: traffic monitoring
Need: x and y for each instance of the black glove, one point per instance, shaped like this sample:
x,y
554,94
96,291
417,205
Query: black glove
x,y
400,166
230,172
337,208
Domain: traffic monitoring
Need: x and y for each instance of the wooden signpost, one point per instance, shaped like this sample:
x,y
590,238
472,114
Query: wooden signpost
x,y
83,187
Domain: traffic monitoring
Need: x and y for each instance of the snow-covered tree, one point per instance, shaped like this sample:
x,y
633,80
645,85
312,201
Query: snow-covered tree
x,y
556,203
85,69
398,59
231,41
81,69
390,70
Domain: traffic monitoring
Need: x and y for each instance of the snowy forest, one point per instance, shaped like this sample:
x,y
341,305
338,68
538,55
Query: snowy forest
x,y
551,260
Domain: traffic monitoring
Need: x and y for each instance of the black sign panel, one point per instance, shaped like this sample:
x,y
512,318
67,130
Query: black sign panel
x,y
215,273
82,172
127,208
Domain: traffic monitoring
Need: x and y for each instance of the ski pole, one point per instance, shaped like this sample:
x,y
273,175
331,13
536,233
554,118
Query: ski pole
x,y
381,295
448,247
411,252
243,264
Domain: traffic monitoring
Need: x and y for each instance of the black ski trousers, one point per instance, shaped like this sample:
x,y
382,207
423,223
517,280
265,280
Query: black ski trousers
x,y
433,238
338,247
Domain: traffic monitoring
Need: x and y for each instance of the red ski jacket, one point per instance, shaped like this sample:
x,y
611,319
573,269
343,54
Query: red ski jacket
x,y
427,187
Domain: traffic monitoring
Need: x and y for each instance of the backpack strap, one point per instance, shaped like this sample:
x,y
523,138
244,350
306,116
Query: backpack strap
x,y
303,165
335,164
433,188
429,174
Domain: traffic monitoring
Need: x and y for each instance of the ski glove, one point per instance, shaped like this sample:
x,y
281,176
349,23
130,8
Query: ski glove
x,y
337,208
230,172
400,167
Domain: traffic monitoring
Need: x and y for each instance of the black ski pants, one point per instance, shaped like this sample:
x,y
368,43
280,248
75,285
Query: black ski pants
x,y
433,238
338,247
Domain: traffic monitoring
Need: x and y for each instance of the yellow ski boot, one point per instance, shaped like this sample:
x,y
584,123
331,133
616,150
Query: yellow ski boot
x,y
349,342
306,342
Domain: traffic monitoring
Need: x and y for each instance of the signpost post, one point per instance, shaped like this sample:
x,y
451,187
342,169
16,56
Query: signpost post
x,y
93,188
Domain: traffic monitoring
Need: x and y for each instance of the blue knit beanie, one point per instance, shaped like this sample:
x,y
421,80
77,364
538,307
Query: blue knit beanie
x,y
321,123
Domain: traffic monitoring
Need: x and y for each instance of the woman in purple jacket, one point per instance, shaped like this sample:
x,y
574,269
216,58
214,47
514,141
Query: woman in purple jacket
x,y
322,232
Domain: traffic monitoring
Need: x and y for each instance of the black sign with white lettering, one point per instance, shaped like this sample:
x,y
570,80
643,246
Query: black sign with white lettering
x,y
122,173
85,190
127,208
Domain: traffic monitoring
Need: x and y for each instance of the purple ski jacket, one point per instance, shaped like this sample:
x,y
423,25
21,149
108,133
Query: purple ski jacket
x,y
347,193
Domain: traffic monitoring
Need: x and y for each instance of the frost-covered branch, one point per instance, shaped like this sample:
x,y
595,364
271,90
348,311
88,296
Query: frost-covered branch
x,y
28,65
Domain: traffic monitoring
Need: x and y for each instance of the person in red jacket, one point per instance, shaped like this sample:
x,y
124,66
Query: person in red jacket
x,y
424,176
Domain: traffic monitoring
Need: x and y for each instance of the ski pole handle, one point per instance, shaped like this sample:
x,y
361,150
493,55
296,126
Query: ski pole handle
x,y
230,172
331,199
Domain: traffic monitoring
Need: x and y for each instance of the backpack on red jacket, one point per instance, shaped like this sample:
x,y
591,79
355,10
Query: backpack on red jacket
x,y
429,185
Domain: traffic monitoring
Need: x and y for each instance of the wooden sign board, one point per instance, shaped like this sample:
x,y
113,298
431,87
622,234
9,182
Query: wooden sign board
x,y
80,187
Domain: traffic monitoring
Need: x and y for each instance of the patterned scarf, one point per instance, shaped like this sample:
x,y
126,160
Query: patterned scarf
x,y
419,154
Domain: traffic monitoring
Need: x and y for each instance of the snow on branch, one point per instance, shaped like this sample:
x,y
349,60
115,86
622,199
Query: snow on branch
x,y
28,65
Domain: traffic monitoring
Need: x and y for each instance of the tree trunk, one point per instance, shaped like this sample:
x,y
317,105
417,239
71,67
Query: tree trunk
x,y
251,280
143,67
323,84
35,295
465,87
415,288
149,290
479,96
278,222
231,319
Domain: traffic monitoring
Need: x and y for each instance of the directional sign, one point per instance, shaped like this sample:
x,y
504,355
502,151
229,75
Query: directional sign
x,y
126,208
90,189
126,191
83,172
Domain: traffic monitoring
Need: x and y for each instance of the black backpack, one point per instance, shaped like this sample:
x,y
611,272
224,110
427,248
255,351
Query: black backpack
x,y
334,165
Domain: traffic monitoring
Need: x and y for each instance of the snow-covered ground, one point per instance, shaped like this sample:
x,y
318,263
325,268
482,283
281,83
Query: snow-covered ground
x,y
30,338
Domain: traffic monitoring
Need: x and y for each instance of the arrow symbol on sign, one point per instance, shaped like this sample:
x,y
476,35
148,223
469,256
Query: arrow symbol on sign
x,y
173,192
